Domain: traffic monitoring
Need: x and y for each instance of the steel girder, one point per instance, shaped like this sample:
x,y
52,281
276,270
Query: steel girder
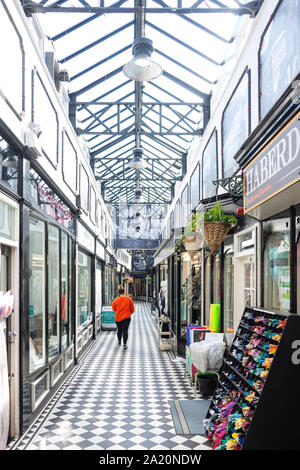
x,y
163,127
30,7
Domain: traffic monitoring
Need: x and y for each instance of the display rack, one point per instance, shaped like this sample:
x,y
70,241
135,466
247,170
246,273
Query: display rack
x,y
256,403
164,336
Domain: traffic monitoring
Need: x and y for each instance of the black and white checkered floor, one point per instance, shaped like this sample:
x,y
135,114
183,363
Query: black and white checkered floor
x,y
118,399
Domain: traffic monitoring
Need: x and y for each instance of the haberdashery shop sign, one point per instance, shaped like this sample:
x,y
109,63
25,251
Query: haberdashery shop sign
x,y
275,168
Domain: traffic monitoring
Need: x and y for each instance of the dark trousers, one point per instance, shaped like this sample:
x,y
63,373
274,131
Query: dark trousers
x,y
123,329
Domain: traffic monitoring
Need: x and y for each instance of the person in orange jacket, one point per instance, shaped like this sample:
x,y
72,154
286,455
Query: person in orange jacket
x,y
123,307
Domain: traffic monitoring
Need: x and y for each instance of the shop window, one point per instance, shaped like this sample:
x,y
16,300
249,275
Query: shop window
x,y
37,349
9,166
53,292
84,314
277,271
196,288
279,54
7,221
109,288
216,279
207,289
228,292
233,136
65,291
209,167
98,288
70,302
186,292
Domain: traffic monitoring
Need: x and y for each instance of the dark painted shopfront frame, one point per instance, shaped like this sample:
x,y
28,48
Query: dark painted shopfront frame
x,y
28,378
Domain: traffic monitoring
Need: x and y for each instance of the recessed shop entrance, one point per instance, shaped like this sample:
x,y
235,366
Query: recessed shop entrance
x,y
246,260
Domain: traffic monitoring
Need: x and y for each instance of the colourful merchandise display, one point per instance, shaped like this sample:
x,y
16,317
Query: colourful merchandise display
x,y
248,410
189,329
215,318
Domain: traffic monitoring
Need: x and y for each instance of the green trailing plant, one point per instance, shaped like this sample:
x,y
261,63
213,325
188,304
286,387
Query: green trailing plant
x,y
217,214
195,226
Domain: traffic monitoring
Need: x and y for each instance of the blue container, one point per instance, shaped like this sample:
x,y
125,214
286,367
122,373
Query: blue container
x,y
108,318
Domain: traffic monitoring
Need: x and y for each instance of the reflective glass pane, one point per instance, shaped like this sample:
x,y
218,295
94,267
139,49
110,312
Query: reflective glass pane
x,y
228,292
277,271
64,291
37,320
7,221
186,292
84,314
53,291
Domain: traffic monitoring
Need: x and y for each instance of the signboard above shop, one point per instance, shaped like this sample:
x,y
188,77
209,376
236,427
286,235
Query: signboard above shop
x,y
47,201
274,169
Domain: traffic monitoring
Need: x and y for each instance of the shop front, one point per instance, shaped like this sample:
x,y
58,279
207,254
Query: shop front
x,y
9,318
86,272
47,291
271,194
99,284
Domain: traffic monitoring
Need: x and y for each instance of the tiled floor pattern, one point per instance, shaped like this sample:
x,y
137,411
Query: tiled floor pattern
x,y
118,399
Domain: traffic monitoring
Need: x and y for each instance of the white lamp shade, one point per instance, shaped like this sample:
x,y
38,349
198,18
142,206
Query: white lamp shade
x,y
137,163
142,69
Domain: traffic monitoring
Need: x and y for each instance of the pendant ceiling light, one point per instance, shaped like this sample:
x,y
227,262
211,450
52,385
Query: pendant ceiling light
x,y
9,159
138,162
141,68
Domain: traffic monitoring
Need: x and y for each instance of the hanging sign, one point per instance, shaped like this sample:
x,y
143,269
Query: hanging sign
x,y
275,168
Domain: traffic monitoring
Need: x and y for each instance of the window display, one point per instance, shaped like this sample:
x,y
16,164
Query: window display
x,y
65,291
228,291
196,288
98,287
217,279
53,292
277,271
84,314
207,288
37,315
186,291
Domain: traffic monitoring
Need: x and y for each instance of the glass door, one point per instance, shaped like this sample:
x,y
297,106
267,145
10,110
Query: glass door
x,y
249,282
4,350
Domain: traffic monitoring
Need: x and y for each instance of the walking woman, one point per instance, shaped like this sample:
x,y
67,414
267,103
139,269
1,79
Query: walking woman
x,y
123,307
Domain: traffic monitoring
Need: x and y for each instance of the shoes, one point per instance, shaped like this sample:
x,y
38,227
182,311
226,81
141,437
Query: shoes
x,y
125,346
119,343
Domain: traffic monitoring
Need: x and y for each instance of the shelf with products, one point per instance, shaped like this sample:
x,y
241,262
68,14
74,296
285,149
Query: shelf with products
x,y
257,392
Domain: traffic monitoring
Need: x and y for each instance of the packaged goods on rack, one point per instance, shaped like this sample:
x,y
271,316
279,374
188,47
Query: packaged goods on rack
x,y
255,372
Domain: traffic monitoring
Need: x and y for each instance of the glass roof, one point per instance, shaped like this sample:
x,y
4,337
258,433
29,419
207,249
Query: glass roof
x,y
94,43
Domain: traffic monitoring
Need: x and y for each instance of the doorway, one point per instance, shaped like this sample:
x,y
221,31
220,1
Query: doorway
x,y
245,268
5,350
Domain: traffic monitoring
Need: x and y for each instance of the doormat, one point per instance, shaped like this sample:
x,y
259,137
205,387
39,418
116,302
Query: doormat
x,y
188,415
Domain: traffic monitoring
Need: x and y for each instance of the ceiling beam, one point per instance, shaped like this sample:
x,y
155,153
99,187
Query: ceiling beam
x,y
31,7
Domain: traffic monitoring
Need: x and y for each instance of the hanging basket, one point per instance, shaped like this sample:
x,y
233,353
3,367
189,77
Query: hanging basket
x,y
214,233
192,244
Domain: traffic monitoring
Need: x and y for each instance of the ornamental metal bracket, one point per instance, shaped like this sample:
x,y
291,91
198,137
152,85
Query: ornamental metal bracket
x,y
233,186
